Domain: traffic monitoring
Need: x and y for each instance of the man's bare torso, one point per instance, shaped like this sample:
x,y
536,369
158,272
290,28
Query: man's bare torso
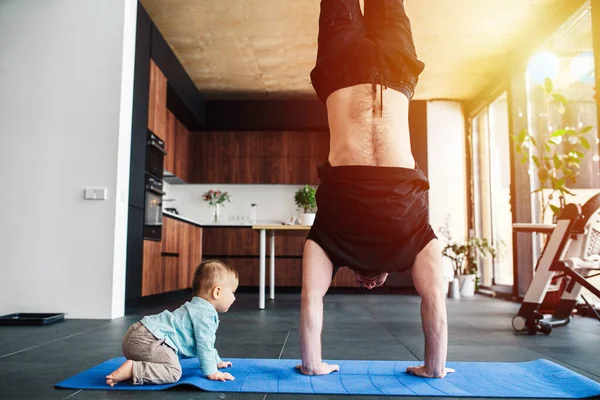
x,y
361,135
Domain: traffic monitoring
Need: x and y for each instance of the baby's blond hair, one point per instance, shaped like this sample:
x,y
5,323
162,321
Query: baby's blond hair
x,y
209,273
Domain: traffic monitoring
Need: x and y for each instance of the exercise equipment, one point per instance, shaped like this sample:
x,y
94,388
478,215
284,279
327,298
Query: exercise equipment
x,y
572,253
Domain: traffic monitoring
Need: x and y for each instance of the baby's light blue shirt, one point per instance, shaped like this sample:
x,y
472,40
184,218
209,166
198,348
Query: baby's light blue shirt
x,y
190,331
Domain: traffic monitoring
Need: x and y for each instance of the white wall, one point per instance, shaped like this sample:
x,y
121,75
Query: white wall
x,y
447,170
274,202
66,73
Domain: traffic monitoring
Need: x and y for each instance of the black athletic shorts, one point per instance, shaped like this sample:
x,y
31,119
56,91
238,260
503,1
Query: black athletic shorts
x,y
372,219
375,48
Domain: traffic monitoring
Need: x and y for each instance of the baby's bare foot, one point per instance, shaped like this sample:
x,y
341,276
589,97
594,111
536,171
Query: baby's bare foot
x,y
123,373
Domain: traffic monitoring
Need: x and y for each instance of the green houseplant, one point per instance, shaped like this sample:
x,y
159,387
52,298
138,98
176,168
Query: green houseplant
x,y
465,257
307,203
556,154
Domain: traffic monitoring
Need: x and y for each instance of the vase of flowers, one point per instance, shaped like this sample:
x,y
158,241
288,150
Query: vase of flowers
x,y
215,199
306,202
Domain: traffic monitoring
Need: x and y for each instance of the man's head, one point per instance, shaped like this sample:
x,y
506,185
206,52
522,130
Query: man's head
x,y
370,280
216,282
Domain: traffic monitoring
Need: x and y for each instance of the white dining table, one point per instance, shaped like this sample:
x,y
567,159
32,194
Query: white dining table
x,y
273,229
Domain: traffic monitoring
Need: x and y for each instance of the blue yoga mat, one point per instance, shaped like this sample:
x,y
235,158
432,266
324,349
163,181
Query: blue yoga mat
x,y
533,379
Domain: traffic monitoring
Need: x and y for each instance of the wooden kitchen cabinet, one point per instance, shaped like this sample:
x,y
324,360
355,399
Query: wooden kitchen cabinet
x,y
181,166
170,264
223,242
157,105
152,271
177,146
239,247
171,232
288,271
169,161
244,241
194,254
257,157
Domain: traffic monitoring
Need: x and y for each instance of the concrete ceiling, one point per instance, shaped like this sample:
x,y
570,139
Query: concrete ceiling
x,y
266,48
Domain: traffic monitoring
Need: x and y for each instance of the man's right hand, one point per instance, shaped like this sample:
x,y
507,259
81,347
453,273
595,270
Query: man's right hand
x,y
220,376
323,369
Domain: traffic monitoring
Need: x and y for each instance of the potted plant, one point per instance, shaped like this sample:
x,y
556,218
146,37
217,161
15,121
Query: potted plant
x,y
465,258
306,202
215,199
556,154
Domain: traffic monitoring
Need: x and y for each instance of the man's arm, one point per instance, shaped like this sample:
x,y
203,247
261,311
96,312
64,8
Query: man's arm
x,y
317,272
429,282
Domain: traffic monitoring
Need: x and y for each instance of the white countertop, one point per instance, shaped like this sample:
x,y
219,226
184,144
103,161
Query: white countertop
x,y
181,217
222,224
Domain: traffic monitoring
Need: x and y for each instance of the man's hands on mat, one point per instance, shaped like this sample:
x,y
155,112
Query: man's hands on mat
x,y
322,369
421,371
224,364
220,376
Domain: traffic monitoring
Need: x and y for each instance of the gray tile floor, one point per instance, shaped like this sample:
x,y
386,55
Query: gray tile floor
x,y
361,326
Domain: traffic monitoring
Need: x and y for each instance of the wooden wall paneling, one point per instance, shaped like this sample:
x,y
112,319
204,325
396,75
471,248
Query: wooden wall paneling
x,y
157,107
169,139
152,272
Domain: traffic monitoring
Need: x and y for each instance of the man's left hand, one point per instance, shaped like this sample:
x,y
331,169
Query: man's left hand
x,y
422,371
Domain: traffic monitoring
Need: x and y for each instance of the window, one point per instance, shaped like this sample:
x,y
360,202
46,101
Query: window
x,y
567,60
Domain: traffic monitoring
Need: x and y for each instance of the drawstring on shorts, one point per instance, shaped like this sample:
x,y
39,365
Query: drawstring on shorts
x,y
377,78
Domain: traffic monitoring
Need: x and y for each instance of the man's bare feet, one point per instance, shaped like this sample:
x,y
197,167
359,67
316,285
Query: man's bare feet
x,y
123,373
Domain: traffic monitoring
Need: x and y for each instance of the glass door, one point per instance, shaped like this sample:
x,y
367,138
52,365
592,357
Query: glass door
x,y
490,178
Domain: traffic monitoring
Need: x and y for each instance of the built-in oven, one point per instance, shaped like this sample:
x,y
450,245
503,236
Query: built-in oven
x,y
155,155
153,209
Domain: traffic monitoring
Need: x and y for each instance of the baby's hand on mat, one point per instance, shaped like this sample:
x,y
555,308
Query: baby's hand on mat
x,y
422,372
323,369
224,364
220,376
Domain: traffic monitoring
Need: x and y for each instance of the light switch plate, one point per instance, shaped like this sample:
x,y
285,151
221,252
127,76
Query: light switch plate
x,y
95,193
